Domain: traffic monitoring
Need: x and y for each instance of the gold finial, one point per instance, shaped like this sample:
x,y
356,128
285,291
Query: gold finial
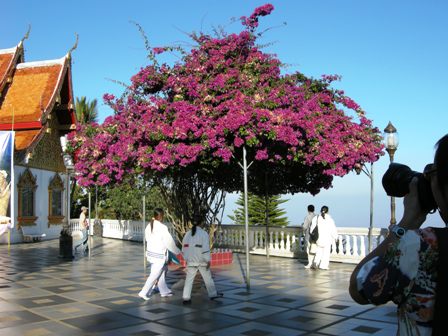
x,y
26,35
74,46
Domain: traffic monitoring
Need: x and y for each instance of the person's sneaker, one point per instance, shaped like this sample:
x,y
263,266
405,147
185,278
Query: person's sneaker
x,y
186,302
217,296
143,296
167,294
308,266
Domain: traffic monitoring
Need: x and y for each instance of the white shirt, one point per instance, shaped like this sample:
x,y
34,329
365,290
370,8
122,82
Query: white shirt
x,y
306,225
196,249
158,242
327,229
83,224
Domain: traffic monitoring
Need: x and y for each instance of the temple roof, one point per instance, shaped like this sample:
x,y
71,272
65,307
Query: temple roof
x,y
32,93
24,138
8,59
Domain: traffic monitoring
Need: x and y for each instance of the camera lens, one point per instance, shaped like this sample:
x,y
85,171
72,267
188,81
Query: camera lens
x,y
396,182
397,178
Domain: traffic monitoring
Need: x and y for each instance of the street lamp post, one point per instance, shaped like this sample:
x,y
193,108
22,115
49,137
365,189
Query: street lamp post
x,y
391,144
66,240
369,173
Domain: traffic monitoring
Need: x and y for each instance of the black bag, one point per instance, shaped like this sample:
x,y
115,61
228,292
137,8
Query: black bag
x,y
314,235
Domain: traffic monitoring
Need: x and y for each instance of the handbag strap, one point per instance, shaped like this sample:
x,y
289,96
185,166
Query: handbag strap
x,y
439,318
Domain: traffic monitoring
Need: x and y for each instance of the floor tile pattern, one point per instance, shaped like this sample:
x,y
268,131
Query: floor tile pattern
x,y
41,294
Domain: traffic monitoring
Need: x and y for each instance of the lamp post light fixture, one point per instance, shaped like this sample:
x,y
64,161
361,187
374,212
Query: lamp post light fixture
x,y
391,145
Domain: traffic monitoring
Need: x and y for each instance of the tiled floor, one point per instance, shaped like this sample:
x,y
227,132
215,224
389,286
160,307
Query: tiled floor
x,y
42,295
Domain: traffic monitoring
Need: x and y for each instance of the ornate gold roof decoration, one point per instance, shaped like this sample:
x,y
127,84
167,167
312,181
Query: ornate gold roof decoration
x,y
69,54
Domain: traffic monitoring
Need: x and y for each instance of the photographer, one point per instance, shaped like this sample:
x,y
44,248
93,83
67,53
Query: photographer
x,y
404,267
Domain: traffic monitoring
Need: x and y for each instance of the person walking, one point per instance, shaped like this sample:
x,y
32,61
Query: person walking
x,y
306,230
327,235
83,227
158,243
196,252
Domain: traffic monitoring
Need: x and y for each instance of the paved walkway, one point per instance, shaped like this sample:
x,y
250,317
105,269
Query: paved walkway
x,y
43,295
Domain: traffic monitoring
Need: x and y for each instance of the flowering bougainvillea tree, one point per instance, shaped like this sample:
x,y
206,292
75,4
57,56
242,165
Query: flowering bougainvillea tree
x,y
194,117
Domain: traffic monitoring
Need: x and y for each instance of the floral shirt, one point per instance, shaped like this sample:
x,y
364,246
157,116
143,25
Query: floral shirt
x,y
406,275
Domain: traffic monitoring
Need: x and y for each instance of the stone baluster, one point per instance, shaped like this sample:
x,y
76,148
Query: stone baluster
x,y
355,249
289,241
362,248
333,247
340,245
283,240
276,242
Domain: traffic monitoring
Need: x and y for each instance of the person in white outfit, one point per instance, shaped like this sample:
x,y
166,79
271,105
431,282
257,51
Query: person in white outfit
x,y
306,230
158,243
327,235
196,252
82,235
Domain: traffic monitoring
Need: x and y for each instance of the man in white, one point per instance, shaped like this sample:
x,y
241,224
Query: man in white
x,y
327,235
306,230
158,242
80,237
196,252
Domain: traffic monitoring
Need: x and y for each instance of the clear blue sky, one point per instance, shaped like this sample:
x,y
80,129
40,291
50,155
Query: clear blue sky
x,y
392,56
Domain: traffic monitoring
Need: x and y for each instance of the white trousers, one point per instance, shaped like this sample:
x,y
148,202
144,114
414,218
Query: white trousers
x,y
208,280
157,274
322,257
307,249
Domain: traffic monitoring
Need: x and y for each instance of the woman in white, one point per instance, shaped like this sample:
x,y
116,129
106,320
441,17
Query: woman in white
x,y
158,243
196,252
327,235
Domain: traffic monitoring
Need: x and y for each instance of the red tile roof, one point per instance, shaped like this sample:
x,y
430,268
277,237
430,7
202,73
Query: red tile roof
x,y
5,61
30,95
8,60
23,139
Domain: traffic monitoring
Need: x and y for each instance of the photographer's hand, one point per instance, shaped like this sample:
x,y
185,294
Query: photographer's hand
x,y
413,215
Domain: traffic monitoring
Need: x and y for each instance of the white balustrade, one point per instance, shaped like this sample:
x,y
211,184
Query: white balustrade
x,y
288,241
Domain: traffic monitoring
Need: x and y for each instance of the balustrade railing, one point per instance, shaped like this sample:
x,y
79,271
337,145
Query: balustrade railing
x,y
351,246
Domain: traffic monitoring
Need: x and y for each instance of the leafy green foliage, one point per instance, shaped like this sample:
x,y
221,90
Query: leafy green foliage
x,y
124,201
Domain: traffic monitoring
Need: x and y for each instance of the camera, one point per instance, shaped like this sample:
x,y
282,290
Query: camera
x,y
396,182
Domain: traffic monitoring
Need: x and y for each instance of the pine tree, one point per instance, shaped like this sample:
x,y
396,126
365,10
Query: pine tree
x,y
257,210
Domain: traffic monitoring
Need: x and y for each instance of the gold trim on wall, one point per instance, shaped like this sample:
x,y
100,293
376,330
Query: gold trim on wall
x,y
26,180
56,184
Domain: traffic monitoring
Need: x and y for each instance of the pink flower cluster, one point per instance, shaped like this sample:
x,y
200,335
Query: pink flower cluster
x,y
251,22
223,95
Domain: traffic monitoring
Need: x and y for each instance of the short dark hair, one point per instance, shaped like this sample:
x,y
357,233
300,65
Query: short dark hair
x,y
158,212
441,161
311,208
